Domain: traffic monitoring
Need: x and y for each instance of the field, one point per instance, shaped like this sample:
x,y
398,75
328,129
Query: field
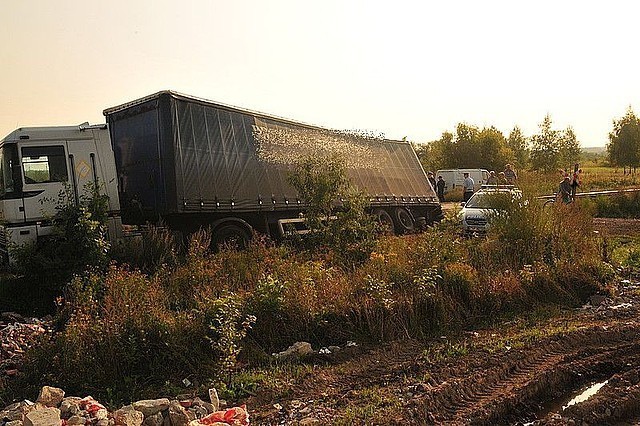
x,y
424,328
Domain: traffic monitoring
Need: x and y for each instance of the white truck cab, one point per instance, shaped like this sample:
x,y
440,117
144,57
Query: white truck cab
x,y
35,165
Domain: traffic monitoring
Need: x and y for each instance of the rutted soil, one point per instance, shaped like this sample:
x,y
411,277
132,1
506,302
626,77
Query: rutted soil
x,y
614,226
510,376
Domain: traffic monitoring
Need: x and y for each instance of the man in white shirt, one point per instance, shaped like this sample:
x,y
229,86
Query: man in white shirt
x,y
467,187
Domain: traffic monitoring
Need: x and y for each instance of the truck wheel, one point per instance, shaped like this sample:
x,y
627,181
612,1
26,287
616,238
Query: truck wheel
x,y
404,220
231,236
385,220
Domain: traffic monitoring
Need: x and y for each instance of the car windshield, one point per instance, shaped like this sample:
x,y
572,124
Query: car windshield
x,y
490,200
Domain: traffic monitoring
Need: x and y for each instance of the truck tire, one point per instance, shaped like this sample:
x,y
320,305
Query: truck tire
x,y
385,220
404,221
231,236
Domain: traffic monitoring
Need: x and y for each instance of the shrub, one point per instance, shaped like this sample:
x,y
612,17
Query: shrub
x,y
619,205
350,236
155,248
78,242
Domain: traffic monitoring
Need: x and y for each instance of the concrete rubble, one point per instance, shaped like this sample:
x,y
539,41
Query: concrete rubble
x,y
53,408
17,333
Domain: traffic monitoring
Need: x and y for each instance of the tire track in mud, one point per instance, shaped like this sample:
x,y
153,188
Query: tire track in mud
x,y
514,382
501,388
488,384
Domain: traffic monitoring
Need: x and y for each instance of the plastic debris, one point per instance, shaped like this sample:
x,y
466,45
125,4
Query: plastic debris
x,y
236,416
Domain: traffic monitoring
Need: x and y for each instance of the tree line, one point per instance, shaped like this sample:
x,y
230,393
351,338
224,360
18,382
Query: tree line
x,y
624,141
548,150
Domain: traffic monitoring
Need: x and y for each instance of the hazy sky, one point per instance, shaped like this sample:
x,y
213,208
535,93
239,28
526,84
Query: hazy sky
x,y
403,68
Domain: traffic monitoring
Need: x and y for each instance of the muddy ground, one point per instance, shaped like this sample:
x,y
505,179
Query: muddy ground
x,y
523,371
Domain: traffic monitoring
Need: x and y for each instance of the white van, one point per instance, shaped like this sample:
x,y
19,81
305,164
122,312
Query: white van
x,y
454,178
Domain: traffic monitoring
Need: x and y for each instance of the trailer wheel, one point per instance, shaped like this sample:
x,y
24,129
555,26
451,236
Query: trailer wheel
x,y
404,220
385,220
230,235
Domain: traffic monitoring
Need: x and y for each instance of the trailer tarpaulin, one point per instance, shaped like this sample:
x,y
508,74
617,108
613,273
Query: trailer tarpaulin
x,y
229,158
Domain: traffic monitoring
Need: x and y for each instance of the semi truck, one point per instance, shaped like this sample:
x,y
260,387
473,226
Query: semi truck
x,y
192,163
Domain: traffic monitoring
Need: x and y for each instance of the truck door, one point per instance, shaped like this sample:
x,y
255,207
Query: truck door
x,y
44,172
54,167
82,165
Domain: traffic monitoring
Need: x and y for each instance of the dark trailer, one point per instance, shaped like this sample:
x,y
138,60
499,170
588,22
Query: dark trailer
x,y
192,163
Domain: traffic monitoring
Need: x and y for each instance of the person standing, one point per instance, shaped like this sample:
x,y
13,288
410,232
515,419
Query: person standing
x,y
467,187
510,174
564,190
502,180
492,179
575,180
440,188
432,179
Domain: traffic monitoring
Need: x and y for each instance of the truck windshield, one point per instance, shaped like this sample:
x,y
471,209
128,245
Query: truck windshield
x,y
10,181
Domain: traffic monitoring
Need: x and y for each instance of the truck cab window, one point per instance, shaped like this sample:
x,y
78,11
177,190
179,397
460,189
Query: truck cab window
x,y
9,170
42,164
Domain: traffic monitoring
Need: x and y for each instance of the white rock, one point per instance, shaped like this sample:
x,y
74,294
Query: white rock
x,y
298,349
179,416
101,414
155,420
76,420
149,407
128,416
50,396
215,400
49,416
70,406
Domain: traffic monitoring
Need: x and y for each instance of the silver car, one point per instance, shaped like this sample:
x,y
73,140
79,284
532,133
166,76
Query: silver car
x,y
484,204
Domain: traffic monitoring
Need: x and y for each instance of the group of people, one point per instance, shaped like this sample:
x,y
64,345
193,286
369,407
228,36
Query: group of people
x,y
507,177
437,185
566,191
569,185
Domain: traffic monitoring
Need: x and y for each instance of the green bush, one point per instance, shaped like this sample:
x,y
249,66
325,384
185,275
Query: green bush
x,y
154,248
78,242
323,185
618,206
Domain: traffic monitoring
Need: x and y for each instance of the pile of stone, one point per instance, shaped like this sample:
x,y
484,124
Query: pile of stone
x,y
52,408
17,333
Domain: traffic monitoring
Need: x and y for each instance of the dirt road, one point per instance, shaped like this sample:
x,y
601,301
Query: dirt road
x,y
522,372
517,375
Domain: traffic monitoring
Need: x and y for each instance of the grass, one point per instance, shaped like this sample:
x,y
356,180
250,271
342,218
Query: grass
x,y
625,251
232,309
370,405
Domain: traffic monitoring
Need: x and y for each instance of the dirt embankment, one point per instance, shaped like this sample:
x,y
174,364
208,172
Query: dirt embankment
x,y
510,376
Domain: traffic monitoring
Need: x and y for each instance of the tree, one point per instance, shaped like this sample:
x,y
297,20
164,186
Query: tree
x,y
518,144
569,151
624,141
551,149
435,155
466,148
470,147
545,147
494,152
